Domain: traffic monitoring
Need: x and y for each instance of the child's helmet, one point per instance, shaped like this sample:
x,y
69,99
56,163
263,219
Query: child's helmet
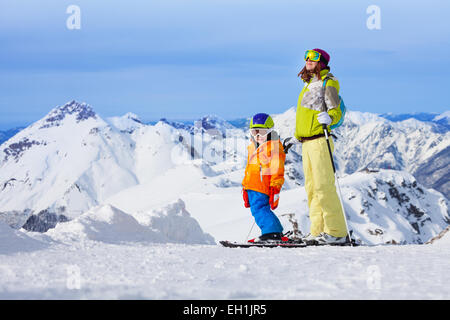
x,y
261,120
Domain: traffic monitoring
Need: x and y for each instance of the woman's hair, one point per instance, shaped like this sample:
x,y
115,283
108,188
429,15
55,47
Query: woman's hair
x,y
307,75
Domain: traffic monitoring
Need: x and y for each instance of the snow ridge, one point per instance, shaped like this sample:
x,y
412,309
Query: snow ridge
x,y
106,223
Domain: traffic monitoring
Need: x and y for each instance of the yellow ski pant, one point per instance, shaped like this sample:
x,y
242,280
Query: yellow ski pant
x,y
325,211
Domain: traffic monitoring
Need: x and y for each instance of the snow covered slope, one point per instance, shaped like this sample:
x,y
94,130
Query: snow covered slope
x,y
65,163
170,224
13,241
140,270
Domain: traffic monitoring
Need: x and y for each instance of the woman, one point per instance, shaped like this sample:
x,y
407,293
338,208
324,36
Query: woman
x,y
318,106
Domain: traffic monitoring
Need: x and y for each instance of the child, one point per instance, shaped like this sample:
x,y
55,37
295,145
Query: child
x,y
264,176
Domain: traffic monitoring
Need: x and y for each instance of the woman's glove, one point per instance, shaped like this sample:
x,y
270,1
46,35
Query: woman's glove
x,y
274,197
324,118
245,196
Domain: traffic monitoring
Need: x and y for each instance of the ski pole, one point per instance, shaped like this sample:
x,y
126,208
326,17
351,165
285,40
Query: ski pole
x,y
246,239
325,131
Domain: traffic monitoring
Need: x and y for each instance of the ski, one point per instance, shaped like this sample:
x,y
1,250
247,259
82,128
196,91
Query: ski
x,y
314,243
281,244
284,244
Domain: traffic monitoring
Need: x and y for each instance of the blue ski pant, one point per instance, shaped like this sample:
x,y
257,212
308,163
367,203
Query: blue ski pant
x,y
266,220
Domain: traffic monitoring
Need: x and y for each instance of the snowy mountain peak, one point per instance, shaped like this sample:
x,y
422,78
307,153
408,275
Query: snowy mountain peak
x,y
126,123
443,119
81,112
212,123
445,115
175,124
362,118
67,119
132,116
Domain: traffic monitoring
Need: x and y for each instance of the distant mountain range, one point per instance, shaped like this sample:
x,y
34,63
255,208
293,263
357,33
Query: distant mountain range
x,y
438,119
441,120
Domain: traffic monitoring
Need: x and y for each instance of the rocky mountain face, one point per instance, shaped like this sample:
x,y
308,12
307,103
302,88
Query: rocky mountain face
x,y
435,172
377,201
418,147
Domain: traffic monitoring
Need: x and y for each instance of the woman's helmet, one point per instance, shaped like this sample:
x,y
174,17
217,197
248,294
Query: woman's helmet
x,y
318,55
324,58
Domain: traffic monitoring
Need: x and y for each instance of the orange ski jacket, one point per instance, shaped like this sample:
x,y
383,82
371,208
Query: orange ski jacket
x,y
265,166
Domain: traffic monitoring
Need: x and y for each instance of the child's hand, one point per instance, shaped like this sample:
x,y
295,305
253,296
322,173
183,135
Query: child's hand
x,y
274,197
288,143
245,196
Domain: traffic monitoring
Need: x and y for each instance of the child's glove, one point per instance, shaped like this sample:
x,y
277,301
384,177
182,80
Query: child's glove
x,y
274,197
245,196
289,142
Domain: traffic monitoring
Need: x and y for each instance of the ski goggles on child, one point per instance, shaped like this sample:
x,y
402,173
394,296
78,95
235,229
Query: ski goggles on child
x,y
312,55
262,132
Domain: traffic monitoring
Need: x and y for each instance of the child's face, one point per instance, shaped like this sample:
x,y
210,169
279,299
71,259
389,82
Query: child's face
x,y
260,135
260,139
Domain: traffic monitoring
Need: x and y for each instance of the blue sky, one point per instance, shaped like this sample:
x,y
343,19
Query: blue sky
x,y
182,59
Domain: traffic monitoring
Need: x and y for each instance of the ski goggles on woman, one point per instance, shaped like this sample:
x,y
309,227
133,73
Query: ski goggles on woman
x,y
312,55
262,132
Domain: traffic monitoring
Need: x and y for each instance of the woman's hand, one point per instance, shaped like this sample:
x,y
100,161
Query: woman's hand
x,y
324,118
